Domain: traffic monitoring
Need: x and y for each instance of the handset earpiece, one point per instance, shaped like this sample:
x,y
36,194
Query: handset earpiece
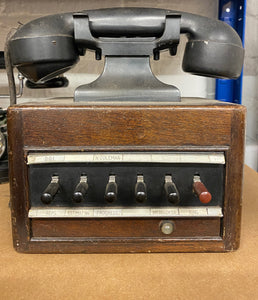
x,y
214,49
44,48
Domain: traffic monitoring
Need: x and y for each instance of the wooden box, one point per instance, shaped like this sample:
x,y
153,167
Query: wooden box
x,y
63,127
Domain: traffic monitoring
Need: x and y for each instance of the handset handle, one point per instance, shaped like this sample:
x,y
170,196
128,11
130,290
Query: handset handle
x,y
127,21
213,48
47,47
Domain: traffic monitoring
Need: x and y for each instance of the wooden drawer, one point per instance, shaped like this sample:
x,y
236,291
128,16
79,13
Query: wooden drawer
x,y
135,228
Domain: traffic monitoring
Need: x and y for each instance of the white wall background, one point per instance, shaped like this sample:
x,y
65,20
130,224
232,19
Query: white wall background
x,y
250,83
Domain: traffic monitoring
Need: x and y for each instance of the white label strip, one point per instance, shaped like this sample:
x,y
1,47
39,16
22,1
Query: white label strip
x,y
116,212
153,157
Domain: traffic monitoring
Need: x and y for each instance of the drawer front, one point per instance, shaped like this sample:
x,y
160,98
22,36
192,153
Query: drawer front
x,y
126,228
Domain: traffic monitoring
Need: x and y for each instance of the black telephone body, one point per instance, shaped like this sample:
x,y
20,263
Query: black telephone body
x,y
127,37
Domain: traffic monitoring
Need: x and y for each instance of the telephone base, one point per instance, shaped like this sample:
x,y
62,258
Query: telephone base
x,y
127,79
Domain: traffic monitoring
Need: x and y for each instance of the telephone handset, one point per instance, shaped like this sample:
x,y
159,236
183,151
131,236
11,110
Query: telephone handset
x,y
49,46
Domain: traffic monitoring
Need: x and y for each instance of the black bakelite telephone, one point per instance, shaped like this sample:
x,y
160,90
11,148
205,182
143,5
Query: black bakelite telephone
x,y
49,46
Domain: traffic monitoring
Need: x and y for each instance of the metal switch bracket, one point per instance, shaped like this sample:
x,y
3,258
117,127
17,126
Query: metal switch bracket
x,y
127,79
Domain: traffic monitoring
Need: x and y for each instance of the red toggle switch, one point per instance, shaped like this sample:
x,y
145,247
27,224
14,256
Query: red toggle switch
x,y
201,190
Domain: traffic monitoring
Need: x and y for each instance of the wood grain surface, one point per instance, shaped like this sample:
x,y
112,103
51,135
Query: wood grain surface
x,y
126,128
124,228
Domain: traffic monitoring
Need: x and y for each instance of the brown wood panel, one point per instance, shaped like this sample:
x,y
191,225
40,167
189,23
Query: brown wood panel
x,y
202,227
51,245
234,181
17,175
126,126
125,246
111,128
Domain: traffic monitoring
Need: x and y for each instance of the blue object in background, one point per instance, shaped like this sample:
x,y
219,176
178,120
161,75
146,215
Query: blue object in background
x,y
233,13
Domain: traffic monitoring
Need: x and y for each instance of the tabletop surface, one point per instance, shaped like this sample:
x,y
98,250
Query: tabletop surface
x,y
134,276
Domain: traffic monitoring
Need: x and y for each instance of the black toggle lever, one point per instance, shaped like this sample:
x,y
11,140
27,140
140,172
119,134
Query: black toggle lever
x,y
140,189
80,190
171,191
49,194
111,189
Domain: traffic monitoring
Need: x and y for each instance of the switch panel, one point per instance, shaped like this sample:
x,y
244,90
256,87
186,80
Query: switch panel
x,y
117,180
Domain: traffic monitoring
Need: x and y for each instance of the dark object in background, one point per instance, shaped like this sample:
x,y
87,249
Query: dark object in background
x,y
57,82
3,147
2,62
3,136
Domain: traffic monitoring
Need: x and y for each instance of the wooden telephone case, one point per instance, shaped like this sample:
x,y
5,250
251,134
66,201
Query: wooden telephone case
x,y
192,126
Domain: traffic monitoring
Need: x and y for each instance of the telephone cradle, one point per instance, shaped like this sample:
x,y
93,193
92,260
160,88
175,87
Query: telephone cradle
x,y
128,165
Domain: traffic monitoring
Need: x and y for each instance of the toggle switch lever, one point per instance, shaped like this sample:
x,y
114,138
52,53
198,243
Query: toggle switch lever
x,y
140,189
171,191
80,190
201,190
49,194
111,189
